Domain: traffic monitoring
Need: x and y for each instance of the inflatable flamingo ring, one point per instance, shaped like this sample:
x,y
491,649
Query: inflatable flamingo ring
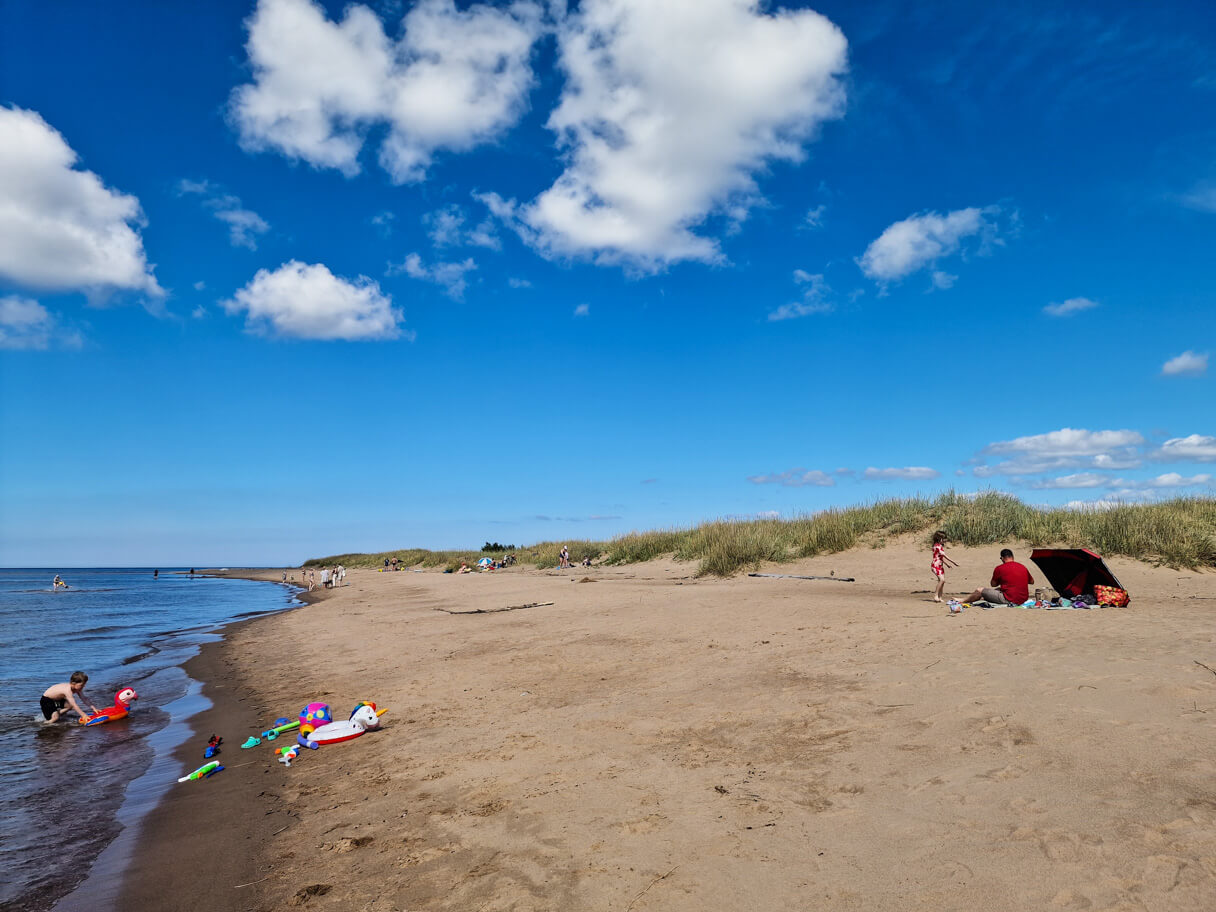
x,y
122,706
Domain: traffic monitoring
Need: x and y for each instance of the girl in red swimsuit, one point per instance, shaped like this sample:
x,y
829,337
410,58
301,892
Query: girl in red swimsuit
x,y
939,562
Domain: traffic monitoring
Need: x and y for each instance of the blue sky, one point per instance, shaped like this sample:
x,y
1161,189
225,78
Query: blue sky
x,y
284,279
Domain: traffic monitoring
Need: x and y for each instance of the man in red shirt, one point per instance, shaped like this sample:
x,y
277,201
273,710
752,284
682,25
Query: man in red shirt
x,y
1010,585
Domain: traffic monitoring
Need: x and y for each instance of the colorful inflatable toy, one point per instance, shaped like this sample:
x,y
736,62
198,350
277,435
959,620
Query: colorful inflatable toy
x,y
120,709
364,718
312,717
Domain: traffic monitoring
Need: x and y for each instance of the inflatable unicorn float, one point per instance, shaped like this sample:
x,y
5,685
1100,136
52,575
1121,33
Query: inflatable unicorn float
x,y
120,709
317,727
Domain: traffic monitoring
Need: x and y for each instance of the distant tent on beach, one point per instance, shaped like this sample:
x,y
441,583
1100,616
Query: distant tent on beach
x,y
1073,571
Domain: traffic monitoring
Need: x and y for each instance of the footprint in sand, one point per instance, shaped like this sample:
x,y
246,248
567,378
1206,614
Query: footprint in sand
x,y
1005,773
646,824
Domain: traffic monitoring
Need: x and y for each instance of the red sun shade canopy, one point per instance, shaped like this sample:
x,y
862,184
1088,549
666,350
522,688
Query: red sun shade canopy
x,y
1073,571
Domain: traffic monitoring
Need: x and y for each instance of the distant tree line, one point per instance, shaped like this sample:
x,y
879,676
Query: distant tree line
x,y
495,546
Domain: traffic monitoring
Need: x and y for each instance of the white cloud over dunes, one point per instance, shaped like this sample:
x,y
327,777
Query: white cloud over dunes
x,y
907,473
455,78
796,478
61,228
1168,480
1066,448
667,112
922,240
1125,486
1188,364
307,301
26,324
1069,482
1194,448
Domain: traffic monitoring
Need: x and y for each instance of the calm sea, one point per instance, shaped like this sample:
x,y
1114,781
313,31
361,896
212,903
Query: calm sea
x,y
67,790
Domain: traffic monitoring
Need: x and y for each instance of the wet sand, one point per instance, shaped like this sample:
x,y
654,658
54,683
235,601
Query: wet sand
x,y
655,741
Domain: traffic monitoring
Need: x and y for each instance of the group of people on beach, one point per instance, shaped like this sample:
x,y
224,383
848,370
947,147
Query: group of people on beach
x,y
331,577
563,559
1010,583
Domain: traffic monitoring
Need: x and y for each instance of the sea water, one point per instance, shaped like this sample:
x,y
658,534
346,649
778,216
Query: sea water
x,y
67,790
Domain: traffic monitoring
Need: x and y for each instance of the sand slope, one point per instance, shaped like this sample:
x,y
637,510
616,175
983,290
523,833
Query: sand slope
x,y
654,741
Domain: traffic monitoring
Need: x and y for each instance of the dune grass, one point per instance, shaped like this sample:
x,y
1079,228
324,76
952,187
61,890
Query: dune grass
x,y
1178,533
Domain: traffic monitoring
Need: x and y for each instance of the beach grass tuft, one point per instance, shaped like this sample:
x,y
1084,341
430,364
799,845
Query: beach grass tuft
x,y
1178,533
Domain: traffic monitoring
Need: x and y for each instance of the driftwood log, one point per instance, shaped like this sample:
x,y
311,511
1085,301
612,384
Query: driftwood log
x,y
496,610
838,579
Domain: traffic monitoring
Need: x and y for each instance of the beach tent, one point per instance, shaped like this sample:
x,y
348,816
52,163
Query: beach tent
x,y
1073,571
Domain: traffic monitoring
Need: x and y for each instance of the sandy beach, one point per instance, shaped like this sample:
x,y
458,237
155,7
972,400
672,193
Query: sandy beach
x,y
650,740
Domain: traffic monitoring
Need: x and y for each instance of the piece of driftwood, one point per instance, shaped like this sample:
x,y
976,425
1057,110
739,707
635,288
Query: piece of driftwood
x,y
496,610
839,579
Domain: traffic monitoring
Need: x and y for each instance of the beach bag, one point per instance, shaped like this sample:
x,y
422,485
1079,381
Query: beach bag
x,y
1111,596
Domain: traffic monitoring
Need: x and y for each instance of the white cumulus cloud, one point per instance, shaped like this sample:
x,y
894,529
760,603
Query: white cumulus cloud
x,y
1188,364
907,473
446,228
1066,448
796,478
454,79
924,239
244,225
61,228
26,324
1071,306
451,276
1168,480
307,301
814,298
668,111
1193,448
1067,482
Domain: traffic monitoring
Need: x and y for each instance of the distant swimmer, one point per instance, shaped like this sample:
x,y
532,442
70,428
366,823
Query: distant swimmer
x,y
59,583
155,574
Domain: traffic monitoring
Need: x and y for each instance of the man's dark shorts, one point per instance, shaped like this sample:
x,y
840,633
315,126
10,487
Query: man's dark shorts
x,y
50,707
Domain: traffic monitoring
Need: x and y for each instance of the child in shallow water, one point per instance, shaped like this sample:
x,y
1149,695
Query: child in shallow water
x,y
57,697
939,562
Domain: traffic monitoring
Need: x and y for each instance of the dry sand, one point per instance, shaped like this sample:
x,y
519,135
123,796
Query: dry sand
x,y
655,741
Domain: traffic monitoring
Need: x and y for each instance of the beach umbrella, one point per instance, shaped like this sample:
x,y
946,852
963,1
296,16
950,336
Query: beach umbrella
x,y
1073,571
484,562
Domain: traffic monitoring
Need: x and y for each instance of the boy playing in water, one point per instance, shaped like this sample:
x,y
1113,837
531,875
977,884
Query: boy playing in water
x,y
58,696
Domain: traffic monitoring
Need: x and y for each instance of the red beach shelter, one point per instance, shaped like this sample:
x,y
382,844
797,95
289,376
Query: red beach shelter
x,y
1073,571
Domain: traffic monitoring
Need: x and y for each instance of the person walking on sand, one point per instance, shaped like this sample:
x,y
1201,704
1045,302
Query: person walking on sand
x,y
312,580
939,562
564,561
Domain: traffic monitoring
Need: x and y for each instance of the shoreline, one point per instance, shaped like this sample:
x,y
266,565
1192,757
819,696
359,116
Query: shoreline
x,y
659,741
210,829
183,841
